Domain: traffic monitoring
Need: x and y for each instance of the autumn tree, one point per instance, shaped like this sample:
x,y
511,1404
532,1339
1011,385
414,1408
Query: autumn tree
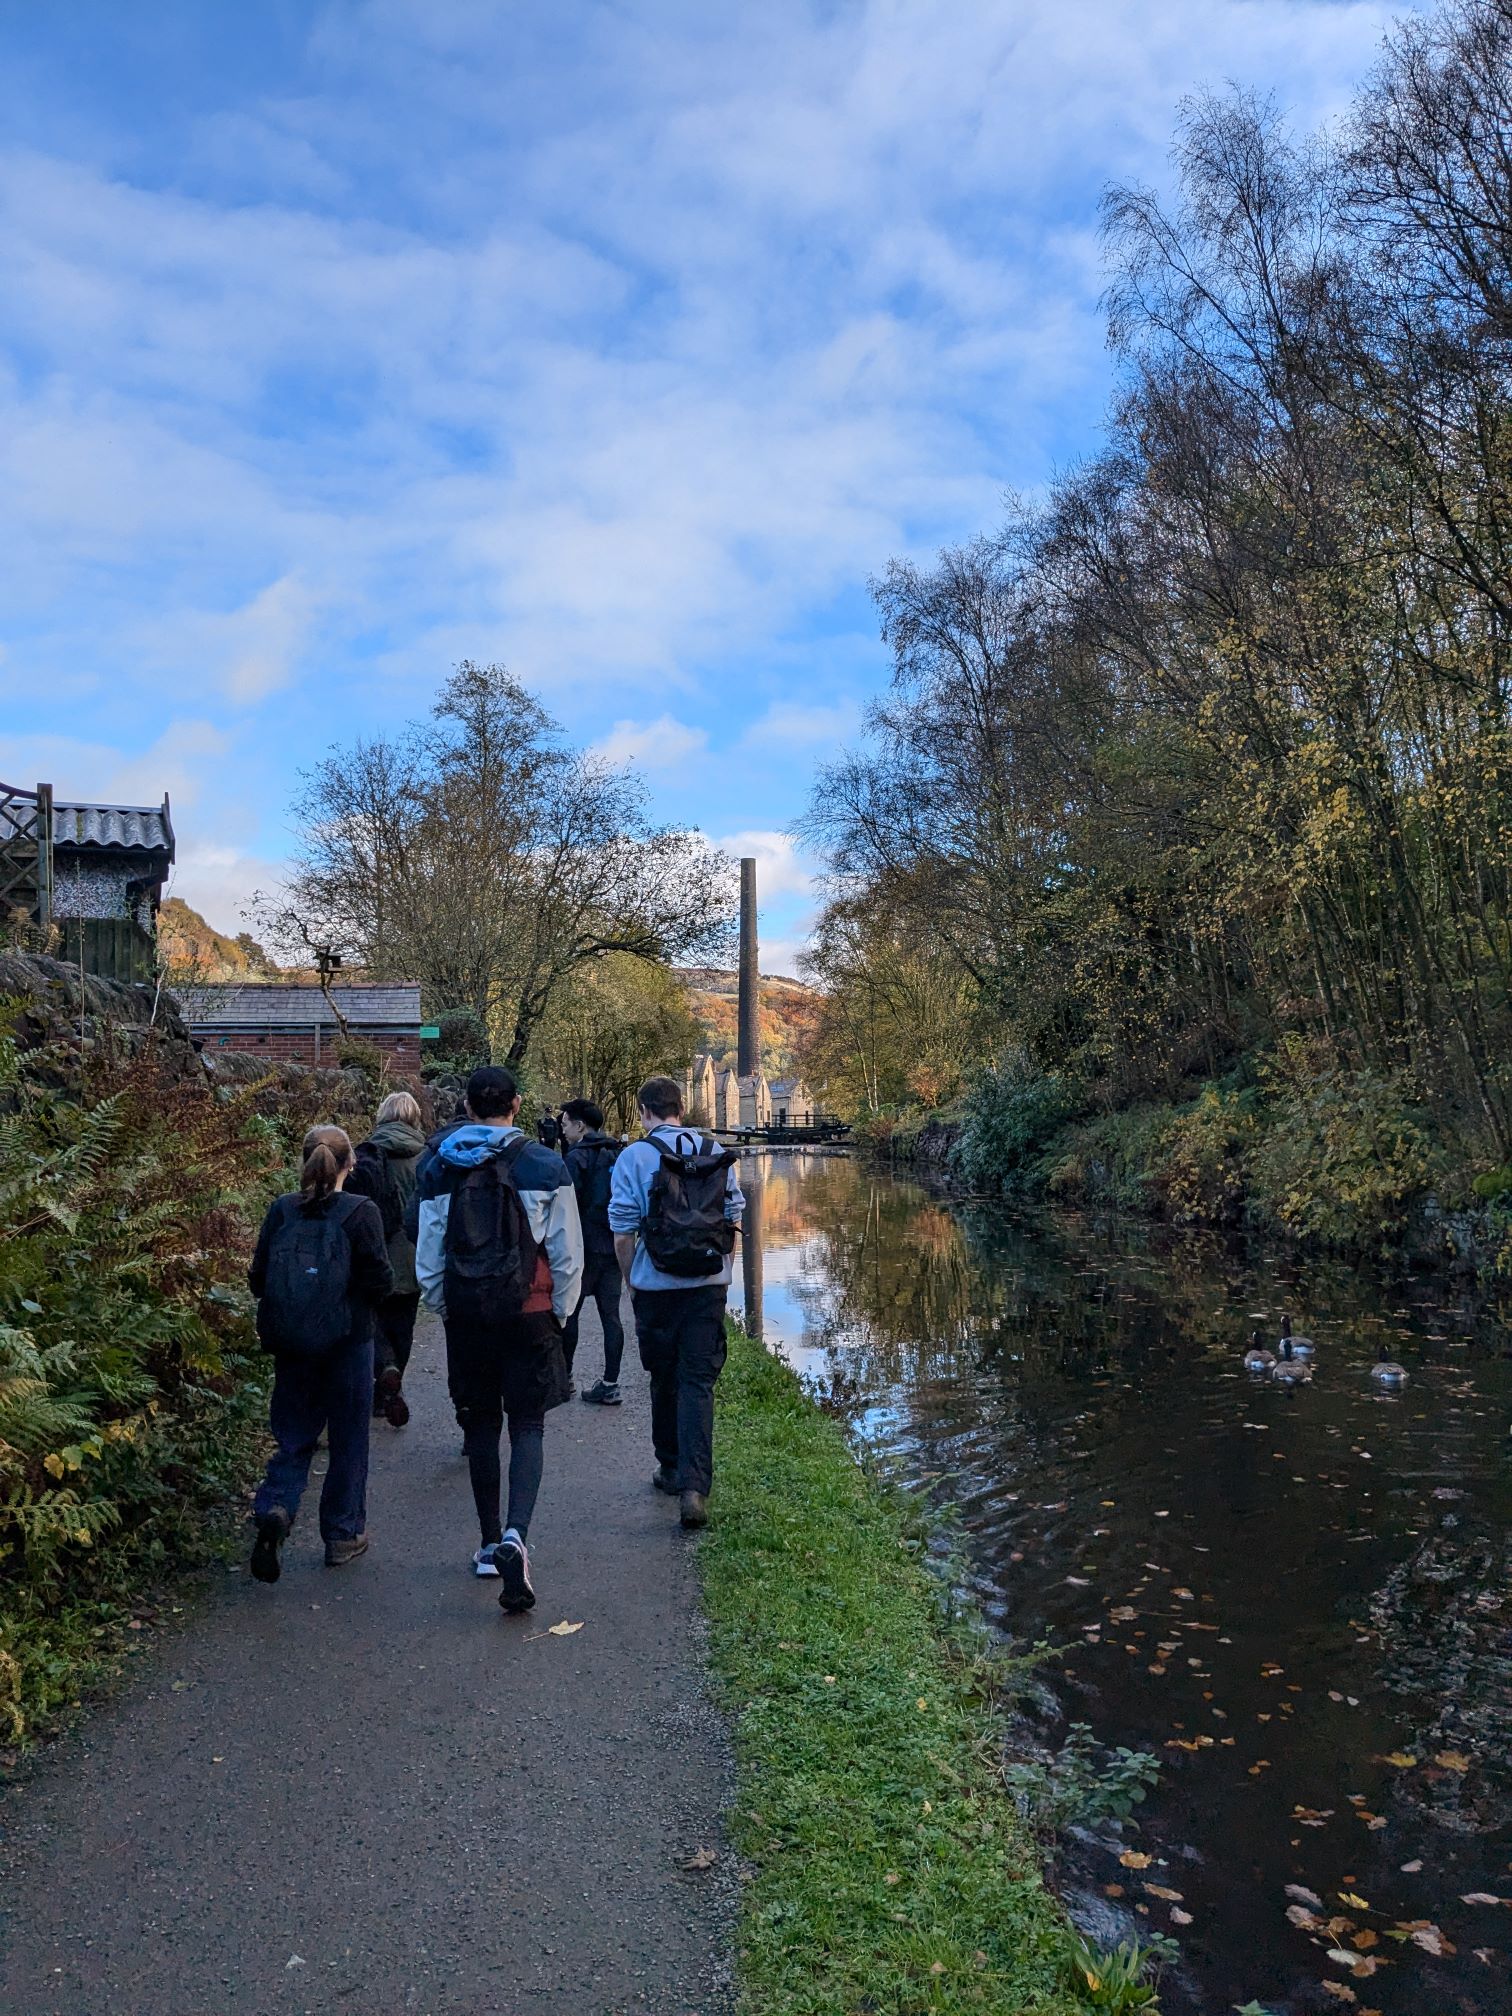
x,y
480,854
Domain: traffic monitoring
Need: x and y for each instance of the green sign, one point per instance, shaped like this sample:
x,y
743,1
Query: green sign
x,y
430,1029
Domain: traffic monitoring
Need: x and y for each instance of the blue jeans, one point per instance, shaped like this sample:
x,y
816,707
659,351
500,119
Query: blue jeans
x,y
334,1392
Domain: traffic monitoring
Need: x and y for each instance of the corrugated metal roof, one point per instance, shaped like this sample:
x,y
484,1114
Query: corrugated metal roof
x,y
230,1006
136,827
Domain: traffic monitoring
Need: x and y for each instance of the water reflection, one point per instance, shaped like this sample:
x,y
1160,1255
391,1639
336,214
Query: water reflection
x,y
1299,1600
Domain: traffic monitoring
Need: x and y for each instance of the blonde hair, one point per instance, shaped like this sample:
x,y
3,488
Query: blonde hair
x,y
327,1151
401,1106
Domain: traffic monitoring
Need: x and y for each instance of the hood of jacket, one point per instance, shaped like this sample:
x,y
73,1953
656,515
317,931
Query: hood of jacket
x,y
395,1138
471,1146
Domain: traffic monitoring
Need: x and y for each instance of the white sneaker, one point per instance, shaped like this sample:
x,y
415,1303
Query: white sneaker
x,y
484,1563
514,1570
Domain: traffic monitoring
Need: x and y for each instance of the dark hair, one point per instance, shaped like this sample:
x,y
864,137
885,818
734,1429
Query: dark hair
x,y
584,1110
491,1091
327,1151
661,1096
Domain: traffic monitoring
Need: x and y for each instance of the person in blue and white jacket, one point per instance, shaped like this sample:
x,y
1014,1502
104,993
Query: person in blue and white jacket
x,y
679,1323
512,1368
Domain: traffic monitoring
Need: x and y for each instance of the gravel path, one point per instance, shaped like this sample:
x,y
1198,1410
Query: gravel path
x,y
368,1791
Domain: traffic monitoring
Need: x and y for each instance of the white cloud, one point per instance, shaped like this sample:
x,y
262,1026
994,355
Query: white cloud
x,y
651,745
797,729
781,870
78,770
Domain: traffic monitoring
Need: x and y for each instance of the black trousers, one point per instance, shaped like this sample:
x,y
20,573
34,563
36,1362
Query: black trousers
x,y
681,1334
394,1331
602,1284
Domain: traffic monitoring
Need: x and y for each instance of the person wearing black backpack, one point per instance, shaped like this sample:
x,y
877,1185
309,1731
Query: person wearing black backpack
x,y
591,1155
675,1206
319,1271
500,1259
385,1171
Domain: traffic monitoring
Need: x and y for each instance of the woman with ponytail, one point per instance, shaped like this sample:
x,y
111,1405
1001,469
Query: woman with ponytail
x,y
319,1271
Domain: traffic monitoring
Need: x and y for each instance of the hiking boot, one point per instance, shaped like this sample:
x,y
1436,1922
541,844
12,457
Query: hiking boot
x,y
665,1479
695,1509
339,1552
395,1407
605,1394
272,1531
513,1565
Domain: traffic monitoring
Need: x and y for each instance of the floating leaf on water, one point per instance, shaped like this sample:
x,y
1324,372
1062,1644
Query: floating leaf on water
x,y
1484,1897
1411,1868
1399,1760
1338,1990
1355,1903
1303,1919
1304,1896
1433,1941
1166,1896
1180,1917
1452,1760
1134,1858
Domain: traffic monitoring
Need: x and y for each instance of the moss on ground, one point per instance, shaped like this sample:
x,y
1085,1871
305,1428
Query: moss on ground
x,y
891,1873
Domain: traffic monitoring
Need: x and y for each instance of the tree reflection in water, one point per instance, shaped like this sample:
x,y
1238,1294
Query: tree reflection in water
x,y
1299,1600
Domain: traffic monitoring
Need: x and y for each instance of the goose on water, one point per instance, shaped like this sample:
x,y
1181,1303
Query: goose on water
x,y
1291,1372
1257,1358
1389,1373
1302,1350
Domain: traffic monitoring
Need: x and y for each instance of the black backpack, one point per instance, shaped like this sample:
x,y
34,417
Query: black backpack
x,y
593,1180
686,1232
377,1180
306,1307
490,1249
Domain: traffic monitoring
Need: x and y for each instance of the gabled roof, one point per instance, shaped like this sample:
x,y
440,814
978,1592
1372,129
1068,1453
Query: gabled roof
x,y
134,828
232,1005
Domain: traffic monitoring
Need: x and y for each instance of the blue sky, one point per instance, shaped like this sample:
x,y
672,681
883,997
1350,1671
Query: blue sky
x,y
621,343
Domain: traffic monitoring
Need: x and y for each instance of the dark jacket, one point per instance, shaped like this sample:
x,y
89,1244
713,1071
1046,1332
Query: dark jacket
x,y
401,1147
371,1278
590,1164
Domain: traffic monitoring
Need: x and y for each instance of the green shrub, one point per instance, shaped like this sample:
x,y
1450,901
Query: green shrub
x,y
128,1396
1109,1160
355,1053
1342,1156
1198,1174
1011,1114
463,1043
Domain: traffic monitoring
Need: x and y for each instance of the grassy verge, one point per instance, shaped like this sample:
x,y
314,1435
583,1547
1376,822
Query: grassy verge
x,y
892,1874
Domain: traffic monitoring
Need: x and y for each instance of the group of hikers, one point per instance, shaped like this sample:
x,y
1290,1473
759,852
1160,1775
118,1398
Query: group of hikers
x,y
504,1238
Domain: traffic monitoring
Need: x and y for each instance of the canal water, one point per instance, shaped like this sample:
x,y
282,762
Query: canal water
x,y
1299,1601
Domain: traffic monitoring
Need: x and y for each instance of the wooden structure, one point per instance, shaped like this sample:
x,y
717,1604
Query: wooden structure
x,y
299,1023
95,872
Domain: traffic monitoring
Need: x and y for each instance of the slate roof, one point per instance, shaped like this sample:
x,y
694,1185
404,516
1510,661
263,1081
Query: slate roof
x,y
137,828
230,1005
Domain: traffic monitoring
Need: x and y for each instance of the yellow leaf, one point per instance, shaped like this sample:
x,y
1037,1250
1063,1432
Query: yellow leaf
x,y
564,1629
1131,1858
1399,1760
1452,1760
1355,1903
53,1465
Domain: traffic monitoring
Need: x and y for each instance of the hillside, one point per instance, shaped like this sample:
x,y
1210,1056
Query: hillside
x,y
191,945
788,1008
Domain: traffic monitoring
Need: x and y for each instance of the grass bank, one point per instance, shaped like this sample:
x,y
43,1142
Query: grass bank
x,y
892,1874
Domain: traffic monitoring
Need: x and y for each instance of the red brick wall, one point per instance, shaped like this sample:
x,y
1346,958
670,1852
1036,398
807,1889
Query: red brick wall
x,y
298,1046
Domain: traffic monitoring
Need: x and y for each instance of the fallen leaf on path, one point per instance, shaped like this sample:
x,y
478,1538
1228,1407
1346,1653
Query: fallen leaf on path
x,y
562,1630
702,1858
